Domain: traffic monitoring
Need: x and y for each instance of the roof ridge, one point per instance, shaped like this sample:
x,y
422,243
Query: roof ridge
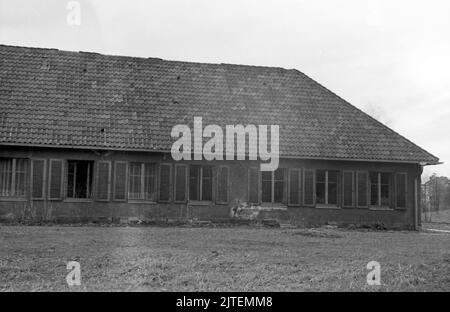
x,y
147,58
367,115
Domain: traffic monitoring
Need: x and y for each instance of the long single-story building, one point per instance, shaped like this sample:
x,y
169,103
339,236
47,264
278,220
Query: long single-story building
x,y
87,137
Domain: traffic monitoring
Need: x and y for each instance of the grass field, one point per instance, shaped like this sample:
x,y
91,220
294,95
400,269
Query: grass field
x,y
220,259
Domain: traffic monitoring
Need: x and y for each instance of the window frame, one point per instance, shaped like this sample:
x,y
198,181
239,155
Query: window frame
x,y
142,183
272,181
200,189
390,187
27,191
326,204
90,190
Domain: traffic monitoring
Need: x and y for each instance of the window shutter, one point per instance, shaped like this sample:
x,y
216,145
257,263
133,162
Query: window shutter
x,y
222,185
362,189
348,189
103,180
253,185
56,178
38,178
120,181
294,187
180,183
400,190
308,187
165,180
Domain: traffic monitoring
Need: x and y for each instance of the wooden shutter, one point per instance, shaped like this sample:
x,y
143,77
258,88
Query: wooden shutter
x,y
253,185
56,179
294,187
222,185
348,186
362,189
400,190
38,177
309,187
165,181
103,180
120,180
180,191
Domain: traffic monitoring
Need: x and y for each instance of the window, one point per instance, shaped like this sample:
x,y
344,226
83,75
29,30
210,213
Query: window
x,y
13,177
348,187
222,185
326,187
362,189
38,177
165,181
120,181
55,188
103,180
272,183
294,187
180,183
380,189
308,187
200,182
142,181
79,178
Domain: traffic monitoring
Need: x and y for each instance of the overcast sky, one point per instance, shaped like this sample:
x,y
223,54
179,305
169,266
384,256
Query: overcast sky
x,y
389,58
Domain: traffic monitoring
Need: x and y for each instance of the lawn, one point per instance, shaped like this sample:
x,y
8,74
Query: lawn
x,y
220,259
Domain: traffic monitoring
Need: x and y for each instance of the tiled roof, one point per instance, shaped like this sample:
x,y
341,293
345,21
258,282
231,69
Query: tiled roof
x,y
88,100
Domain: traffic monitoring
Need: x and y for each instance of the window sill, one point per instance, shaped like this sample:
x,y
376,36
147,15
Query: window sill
x,y
322,206
137,201
273,206
199,202
78,200
13,199
381,208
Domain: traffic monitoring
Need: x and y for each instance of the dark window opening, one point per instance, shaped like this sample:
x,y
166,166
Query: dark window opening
x,y
200,183
326,187
79,178
273,186
380,189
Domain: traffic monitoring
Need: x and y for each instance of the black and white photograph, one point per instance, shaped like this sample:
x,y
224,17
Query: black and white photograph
x,y
224,151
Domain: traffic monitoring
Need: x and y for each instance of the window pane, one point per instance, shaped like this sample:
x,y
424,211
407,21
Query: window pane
x,y
320,192
294,187
348,189
222,187
332,193
308,178
320,176
149,181
135,181
206,183
180,183
21,177
194,183
374,194
385,195
164,182
6,176
362,189
401,190
332,176
70,179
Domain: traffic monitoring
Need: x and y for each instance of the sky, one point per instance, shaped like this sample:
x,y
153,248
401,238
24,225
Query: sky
x,y
389,58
